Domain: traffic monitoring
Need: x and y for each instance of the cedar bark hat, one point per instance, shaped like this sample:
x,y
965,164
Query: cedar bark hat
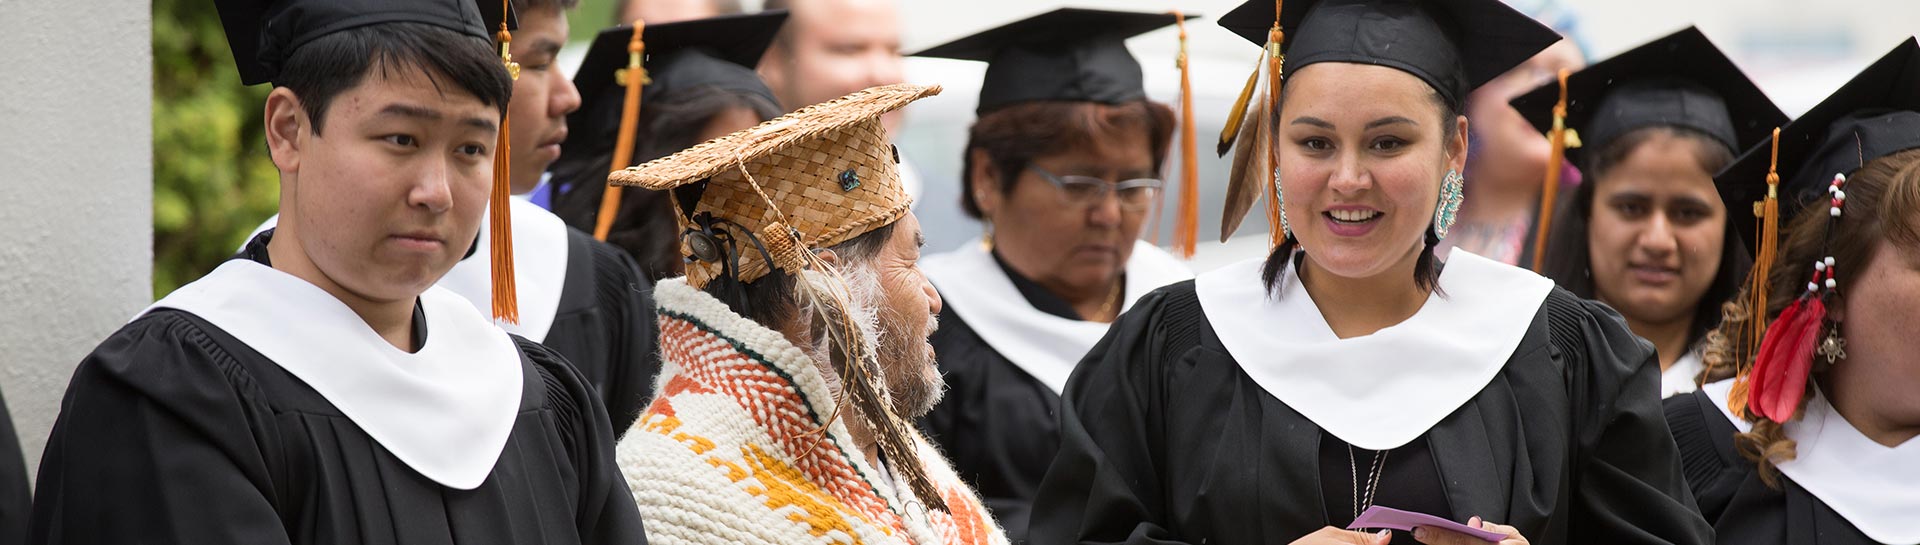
x,y
763,197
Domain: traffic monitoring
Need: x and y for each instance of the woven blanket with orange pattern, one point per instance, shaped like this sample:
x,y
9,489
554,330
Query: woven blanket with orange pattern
x,y
728,453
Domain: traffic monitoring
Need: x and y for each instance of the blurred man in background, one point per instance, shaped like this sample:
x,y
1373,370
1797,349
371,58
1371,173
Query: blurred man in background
x,y
667,11
830,48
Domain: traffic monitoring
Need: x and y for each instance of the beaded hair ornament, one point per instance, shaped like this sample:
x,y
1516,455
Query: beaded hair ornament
x,y
1779,376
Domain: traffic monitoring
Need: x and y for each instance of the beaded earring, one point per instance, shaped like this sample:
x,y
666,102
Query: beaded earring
x,y
1452,193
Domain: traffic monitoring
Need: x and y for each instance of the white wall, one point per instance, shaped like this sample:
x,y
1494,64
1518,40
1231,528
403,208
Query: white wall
x,y
76,186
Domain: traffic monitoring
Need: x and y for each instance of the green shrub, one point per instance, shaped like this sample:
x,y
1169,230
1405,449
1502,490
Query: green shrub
x,y
212,180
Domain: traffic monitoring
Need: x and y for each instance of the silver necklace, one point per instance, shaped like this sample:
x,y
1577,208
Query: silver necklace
x,y
1364,499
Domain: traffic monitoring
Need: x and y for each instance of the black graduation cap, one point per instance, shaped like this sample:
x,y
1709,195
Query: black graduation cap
x,y
1065,54
1453,45
263,33
1874,115
715,52
1680,79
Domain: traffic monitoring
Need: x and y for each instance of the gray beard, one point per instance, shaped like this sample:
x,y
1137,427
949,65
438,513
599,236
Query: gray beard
x,y
913,388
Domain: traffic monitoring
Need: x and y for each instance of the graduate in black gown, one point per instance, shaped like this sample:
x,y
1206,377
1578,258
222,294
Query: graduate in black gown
x,y
1066,201
16,501
581,297
1273,401
1646,232
699,85
319,388
1808,436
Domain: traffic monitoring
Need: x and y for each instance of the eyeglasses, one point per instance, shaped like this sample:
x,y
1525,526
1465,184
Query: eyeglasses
x,y
1135,194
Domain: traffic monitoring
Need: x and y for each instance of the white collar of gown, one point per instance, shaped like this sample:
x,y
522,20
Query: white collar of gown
x,y
539,268
445,411
1678,379
1873,486
1383,390
1045,346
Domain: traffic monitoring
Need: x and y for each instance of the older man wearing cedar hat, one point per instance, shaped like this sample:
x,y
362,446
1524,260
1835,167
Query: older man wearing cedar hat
x,y
795,349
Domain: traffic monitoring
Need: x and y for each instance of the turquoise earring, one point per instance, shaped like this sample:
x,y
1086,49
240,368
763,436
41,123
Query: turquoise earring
x,y
1452,193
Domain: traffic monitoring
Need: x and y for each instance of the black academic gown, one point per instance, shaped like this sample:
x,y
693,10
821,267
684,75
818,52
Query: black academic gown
x,y
15,500
997,424
174,432
604,326
1165,439
1742,508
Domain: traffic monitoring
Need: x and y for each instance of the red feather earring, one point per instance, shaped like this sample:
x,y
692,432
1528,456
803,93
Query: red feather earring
x,y
1779,377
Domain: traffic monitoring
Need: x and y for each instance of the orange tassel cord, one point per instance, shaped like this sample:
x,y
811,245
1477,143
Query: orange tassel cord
x,y
506,305
633,77
1550,188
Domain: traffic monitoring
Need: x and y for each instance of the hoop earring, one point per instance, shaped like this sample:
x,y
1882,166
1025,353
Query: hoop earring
x,y
1452,193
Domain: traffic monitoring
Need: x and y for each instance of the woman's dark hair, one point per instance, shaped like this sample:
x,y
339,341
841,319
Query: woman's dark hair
x,y
1426,270
1569,254
320,70
1015,135
1881,198
645,226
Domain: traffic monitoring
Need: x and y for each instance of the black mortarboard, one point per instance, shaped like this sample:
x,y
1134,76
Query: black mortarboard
x,y
1453,45
714,53
1874,115
1679,80
263,33
1065,54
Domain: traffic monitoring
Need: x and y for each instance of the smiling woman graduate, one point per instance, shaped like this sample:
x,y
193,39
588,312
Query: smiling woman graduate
x,y
1270,400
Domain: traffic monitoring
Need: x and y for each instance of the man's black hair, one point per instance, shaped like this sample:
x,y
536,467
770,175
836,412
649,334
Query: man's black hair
x,y
329,65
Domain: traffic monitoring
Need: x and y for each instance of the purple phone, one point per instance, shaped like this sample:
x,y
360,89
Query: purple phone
x,y
1388,517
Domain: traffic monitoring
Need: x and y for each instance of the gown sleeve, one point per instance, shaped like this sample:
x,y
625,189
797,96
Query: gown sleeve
x,y
1628,483
605,512
628,298
1714,469
1104,485
157,443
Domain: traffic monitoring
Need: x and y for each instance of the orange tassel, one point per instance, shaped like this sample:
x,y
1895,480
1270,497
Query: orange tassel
x,y
1749,347
506,306
1769,239
1275,234
1186,234
1556,161
635,77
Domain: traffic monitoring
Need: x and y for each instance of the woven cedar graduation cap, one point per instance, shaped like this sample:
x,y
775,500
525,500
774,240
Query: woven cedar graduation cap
x,y
1452,45
1679,80
807,180
1874,115
1080,55
716,52
264,33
